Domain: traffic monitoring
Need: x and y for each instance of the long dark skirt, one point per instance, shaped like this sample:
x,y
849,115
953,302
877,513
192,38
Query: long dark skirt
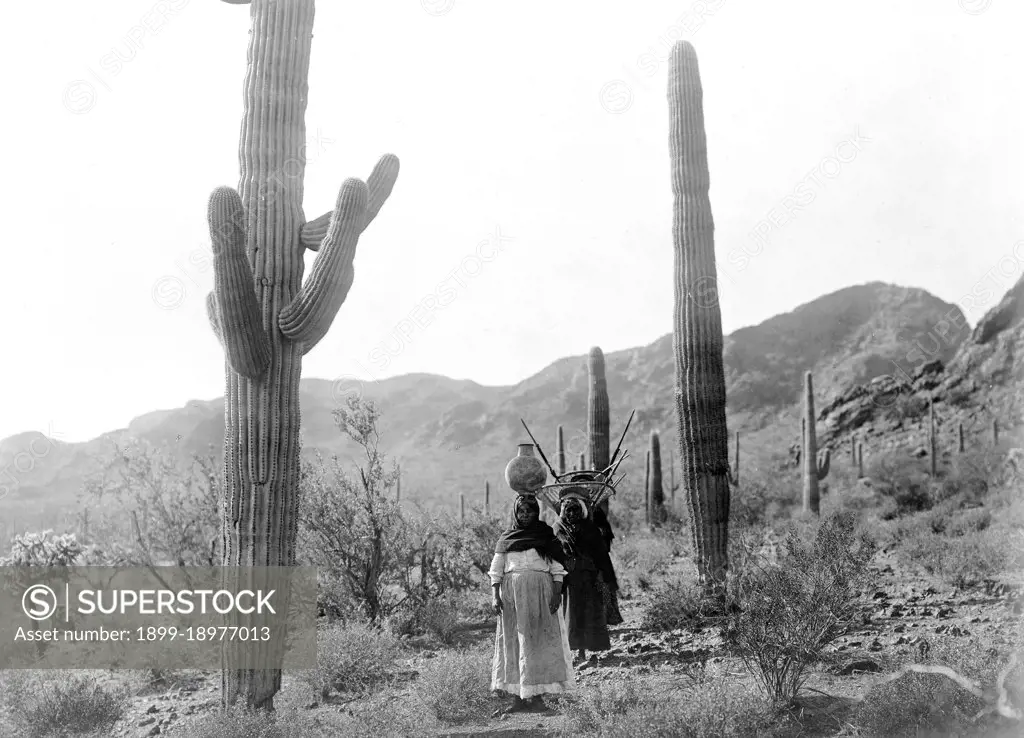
x,y
586,615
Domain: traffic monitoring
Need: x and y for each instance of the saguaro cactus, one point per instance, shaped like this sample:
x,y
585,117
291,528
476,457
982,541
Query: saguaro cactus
x,y
860,461
560,452
647,487
736,470
656,495
960,438
398,483
487,498
815,469
697,326
597,414
995,432
933,444
264,315
853,449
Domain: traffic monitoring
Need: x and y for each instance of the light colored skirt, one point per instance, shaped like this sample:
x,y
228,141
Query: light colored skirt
x,y
531,646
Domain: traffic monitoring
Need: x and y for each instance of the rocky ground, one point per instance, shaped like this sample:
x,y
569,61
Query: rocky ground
x,y
903,617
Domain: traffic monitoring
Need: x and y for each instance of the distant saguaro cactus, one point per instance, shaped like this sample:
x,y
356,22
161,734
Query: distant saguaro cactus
x,y
815,469
597,415
853,449
995,432
960,438
697,326
487,498
933,444
560,452
656,496
647,487
583,462
398,484
263,313
736,470
860,461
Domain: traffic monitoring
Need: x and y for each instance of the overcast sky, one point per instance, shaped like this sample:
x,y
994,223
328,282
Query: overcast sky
x,y
850,141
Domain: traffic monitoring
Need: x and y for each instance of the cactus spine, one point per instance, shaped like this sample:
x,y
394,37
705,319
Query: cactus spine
x,y
262,312
560,452
597,415
656,497
932,441
815,469
697,326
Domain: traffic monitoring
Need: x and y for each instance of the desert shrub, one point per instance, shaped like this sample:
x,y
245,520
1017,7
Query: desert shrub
x,y
64,704
644,556
961,560
709,709
351,526
455,686
148,507
677,604
43,549
790,612
907,407
353,658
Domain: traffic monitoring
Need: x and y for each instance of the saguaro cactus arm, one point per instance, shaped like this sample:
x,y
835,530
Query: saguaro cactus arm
x,y
824,462
380,184
310,314
213,316
239,323
322,328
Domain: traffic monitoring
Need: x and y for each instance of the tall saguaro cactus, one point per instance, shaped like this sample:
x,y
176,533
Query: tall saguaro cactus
x,y
597,415
933,444
815,469
697,326
597,412
560,452
656,493
262,312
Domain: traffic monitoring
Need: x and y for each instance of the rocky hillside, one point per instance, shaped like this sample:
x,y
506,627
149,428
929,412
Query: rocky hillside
x,y
981,387
450,436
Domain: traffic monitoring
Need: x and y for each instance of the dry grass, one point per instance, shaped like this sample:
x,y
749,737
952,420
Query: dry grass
x,y
353,658
62,704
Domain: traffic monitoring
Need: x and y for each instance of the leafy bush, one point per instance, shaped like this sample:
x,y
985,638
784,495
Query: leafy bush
x,y
42,549
63,704
353,658
790,612
455,686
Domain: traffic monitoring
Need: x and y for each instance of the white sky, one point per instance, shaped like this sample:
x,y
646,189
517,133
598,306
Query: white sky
x,y
497,113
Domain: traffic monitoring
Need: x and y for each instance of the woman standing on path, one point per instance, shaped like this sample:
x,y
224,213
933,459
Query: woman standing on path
x,y
589,571
531,648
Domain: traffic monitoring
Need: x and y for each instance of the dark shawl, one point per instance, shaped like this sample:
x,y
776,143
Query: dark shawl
x,y
537,535
586,538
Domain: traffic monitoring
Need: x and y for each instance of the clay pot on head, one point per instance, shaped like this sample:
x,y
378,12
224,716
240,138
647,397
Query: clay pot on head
x,y
526,473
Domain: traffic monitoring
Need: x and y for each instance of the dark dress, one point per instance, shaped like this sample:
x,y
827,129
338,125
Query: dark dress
x,y
590,574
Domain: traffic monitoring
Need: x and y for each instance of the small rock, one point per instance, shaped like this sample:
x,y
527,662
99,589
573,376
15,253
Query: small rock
x,y
152,709
147,721
154,731
865,666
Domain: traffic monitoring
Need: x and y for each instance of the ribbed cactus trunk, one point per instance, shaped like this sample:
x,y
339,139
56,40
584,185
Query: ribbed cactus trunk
x,y
560,452
697,326
597,415
736,471
933,445
813,469
656,496
647,487
263,314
